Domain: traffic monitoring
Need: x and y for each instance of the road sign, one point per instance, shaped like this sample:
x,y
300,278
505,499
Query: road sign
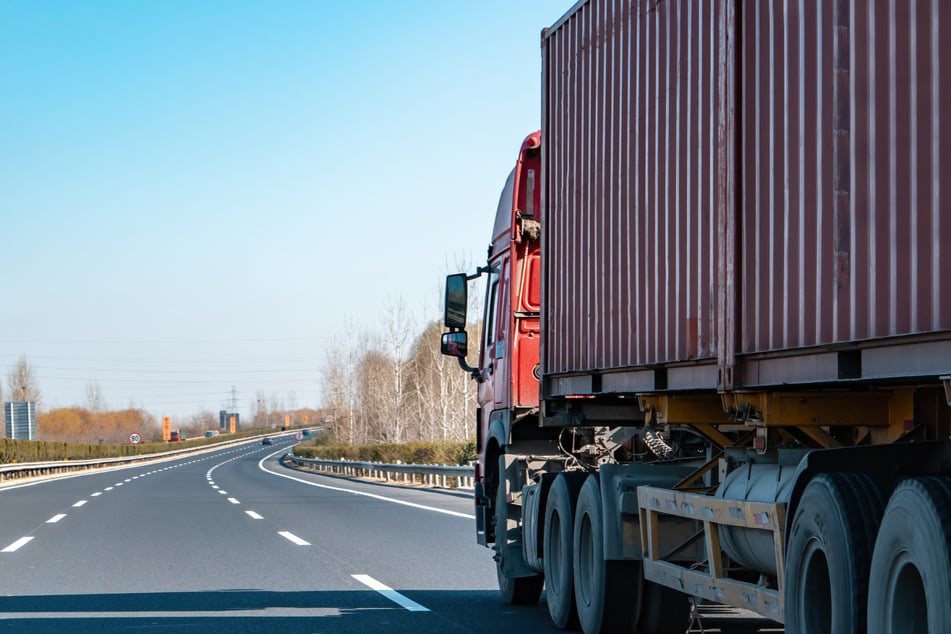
x,y
135,439
299,436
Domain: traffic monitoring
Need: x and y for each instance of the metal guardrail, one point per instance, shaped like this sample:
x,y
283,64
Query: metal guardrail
x,y
15,471
446,477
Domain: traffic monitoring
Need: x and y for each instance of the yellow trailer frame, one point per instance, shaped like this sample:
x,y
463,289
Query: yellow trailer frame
x,y
713,583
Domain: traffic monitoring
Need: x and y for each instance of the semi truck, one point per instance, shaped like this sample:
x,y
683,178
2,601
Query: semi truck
x,y
715,360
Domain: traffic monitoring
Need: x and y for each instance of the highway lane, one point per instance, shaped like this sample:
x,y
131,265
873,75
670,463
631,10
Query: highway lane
x,y
233,541
160,548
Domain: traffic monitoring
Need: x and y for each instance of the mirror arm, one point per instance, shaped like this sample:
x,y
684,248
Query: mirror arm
x,y
479,272
468,368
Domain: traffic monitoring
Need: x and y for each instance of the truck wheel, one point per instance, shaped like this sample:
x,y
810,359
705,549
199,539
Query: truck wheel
x,y
910,590
519,590
514,590
603,589
556,550
663,610
829,552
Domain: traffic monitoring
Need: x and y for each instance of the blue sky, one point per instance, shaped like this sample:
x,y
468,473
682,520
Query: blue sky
x,y
197,195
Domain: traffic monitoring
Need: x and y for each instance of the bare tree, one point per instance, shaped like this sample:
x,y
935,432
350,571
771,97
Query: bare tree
x,y
201,422
446,394
259,409
395,338
341,383
95,402
375,397
21,383
337,389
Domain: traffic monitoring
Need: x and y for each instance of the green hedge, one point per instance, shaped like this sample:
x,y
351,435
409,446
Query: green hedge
x,y
45,451
442,453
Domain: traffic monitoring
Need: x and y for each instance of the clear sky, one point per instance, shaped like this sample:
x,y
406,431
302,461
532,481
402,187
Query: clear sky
x,y
200,194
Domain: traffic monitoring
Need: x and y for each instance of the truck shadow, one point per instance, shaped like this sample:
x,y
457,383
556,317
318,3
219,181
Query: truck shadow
x,y
239,611
356,611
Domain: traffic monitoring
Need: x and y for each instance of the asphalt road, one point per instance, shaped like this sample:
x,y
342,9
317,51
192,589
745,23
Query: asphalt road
x,y
232,541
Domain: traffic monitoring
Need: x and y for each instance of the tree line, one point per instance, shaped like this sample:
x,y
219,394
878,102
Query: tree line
x,y
389,388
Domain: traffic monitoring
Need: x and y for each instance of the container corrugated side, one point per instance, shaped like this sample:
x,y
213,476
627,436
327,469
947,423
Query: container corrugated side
x,y
631,119
846,134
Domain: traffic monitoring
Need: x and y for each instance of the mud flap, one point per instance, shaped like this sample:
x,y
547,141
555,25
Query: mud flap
x,y
622,537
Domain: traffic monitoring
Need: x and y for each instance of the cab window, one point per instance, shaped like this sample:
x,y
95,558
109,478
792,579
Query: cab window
x,y
491,310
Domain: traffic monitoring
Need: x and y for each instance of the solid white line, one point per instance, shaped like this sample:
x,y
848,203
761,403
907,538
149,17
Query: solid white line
x,y
369,495
293,538
56,518
254,515
78,504
390,593
233,501
17,545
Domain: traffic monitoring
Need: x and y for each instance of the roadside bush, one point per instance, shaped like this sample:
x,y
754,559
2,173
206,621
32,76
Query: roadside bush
x,y
442,453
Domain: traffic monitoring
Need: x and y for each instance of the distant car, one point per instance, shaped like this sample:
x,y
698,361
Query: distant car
x,y
267,441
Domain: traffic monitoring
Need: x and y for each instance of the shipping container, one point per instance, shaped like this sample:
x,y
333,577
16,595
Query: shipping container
x,y
734,190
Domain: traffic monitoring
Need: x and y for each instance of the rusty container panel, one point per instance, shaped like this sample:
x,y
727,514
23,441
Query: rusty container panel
x,y
845,132
631,118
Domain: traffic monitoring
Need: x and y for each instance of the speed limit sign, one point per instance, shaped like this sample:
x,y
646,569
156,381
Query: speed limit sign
x,y
135,439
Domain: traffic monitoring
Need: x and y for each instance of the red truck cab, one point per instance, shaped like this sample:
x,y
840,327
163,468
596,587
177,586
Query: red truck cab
x,y
508,359
508,367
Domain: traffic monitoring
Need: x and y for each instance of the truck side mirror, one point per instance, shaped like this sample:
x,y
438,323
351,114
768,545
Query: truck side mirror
x,y
455,344
457,301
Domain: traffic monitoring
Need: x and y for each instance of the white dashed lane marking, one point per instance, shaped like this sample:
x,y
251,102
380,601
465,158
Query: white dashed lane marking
x,y
56,518
390,593
17,545
291,537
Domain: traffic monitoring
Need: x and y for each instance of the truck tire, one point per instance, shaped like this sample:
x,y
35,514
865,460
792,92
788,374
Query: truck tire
x,y
514,590
663,610
604,590
829,552
910,590
557,550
